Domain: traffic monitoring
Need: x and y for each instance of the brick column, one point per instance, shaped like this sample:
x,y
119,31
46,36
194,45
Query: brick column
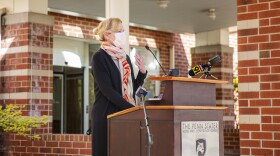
x,y
26,63
208,45
259,76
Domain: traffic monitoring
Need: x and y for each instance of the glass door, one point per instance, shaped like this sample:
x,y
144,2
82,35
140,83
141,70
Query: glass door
x,y
74,106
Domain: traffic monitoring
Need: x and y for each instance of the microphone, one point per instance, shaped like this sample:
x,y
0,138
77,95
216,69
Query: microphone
x,y
196,70
200,68
141,92
148,48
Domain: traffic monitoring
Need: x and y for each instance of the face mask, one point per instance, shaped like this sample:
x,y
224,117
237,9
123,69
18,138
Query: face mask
x,y
120,40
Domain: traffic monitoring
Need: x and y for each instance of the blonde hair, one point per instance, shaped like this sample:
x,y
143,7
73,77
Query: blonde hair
x,y
110,24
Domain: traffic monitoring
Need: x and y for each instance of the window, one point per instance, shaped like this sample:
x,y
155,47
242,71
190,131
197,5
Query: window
x,y
153,87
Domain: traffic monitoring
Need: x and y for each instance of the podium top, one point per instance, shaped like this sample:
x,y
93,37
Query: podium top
x,y
166,108
171,78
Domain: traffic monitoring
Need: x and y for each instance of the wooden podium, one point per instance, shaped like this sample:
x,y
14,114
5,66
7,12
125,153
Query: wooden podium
x,y
187,108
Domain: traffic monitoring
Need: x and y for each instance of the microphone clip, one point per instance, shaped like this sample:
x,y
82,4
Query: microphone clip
x,y
207,68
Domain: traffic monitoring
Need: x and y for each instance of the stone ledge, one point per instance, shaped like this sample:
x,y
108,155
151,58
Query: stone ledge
x,y
27,72
29,17
23,49
211,48
249,119
27,95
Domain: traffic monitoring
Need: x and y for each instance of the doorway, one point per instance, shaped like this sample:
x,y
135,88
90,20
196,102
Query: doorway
x,y
68,107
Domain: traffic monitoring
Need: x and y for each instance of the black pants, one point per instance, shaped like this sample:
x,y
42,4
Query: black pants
x,y
99,137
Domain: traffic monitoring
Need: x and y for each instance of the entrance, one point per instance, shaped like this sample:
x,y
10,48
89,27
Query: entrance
x,y
68,107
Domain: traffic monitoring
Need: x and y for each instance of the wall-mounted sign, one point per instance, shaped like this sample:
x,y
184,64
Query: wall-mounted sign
x,y
200,138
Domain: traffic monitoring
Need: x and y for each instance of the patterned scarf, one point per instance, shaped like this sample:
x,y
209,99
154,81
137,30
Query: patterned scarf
x,y
125,70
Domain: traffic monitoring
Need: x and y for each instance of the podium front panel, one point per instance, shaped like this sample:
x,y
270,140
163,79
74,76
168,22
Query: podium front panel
x,y
127,134
180,93
124,138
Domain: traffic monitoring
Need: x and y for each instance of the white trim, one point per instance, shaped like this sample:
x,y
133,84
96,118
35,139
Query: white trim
x,y
76,14
86,88
249,119
223,70
28,17
50,119
232,29
247,87
90,41
248,55
42,50
27,72
172,57
248,24
27,95
228,118
225,86
13,50
225,102
25,49
212,49
71,13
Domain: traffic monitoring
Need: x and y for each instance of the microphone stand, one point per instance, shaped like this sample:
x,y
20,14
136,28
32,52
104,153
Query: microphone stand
x,y
149,140
207,73
148,48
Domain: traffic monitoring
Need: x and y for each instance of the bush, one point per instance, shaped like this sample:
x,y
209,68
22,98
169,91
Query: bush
x,y
235,84
11,120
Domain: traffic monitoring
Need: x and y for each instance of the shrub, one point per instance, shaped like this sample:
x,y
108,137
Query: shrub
x,y
11,120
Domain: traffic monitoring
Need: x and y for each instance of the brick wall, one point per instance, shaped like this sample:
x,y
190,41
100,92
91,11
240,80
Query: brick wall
x,y
51,145
259,76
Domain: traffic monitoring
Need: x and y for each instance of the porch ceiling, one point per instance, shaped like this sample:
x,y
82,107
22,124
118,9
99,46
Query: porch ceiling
x,y
180,15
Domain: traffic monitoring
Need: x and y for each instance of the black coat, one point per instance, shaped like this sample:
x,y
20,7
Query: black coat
x,y
108,97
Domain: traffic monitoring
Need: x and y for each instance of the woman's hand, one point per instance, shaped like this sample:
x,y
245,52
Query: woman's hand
x,y
140,64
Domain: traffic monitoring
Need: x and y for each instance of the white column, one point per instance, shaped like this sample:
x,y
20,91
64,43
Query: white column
x,y
172,57
20,6
119,9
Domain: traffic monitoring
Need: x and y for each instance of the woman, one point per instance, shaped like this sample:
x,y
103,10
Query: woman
x,y
114,81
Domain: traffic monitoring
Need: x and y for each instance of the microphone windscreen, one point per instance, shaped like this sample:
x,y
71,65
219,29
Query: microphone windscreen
x,y
191,73
215,60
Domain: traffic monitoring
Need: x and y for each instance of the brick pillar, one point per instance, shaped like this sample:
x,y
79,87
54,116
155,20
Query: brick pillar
x,y
26,74
259,76
26,63
208,45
